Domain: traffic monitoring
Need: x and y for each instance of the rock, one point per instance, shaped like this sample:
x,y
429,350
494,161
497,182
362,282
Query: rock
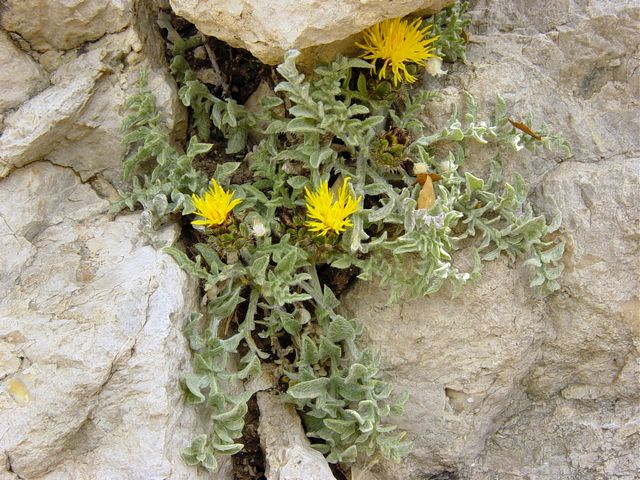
x,y
269,29
458,359
76,121
90,322
594,104
64,25
91,348
584,395
287,451
503,385
31,132
20,75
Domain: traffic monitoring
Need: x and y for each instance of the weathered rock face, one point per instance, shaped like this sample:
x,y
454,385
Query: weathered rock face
x,y
503,385
91,349
75,122
90,337
54,25
288,453
20,75
269,29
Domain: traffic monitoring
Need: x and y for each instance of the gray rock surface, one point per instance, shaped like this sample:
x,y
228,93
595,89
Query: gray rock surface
x,y
63,25
91,348
288,454
75,122
269,29
503,385
20,75
90,337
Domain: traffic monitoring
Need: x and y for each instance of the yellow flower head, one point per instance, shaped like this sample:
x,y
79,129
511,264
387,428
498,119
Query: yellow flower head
x,y
397,42
214,206
327,213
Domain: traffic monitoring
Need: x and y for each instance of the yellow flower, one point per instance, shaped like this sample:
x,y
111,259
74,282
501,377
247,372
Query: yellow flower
x,y
397,42
327,213
214,206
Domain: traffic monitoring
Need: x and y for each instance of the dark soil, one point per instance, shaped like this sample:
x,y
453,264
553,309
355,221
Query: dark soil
x,y
339,280
241,74
249,463
241,71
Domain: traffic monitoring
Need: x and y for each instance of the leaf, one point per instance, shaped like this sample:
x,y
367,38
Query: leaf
x,y
186,263
287,263
210,256
362,84
224,306
553,273
357,109
309,354
236,142
328,349
269,101
194,383
251,369
227,449
341,329
340,426
195,148
381,213
209,461
554,254
302,125
318,158
345,261
473,183
349,455
297,182
291,325
538,280
533,261
258,268
427,197
225,170
397,407
309,389
275,127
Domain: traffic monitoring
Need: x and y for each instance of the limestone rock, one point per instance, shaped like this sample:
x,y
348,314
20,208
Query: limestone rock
x,y
90,322
20,75
503,385
52,24
269,29
33,130
458,358
76,121
287,451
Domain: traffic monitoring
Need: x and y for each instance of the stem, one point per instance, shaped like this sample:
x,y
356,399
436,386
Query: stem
x,y
216,68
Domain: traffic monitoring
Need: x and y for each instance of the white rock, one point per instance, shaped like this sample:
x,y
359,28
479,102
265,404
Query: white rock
x,y
269,29
444,350
20,75
76,122
288,454
31,131
94,317
63,25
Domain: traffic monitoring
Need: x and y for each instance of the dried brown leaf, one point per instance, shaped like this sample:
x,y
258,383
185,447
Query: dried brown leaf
x,y
427,197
